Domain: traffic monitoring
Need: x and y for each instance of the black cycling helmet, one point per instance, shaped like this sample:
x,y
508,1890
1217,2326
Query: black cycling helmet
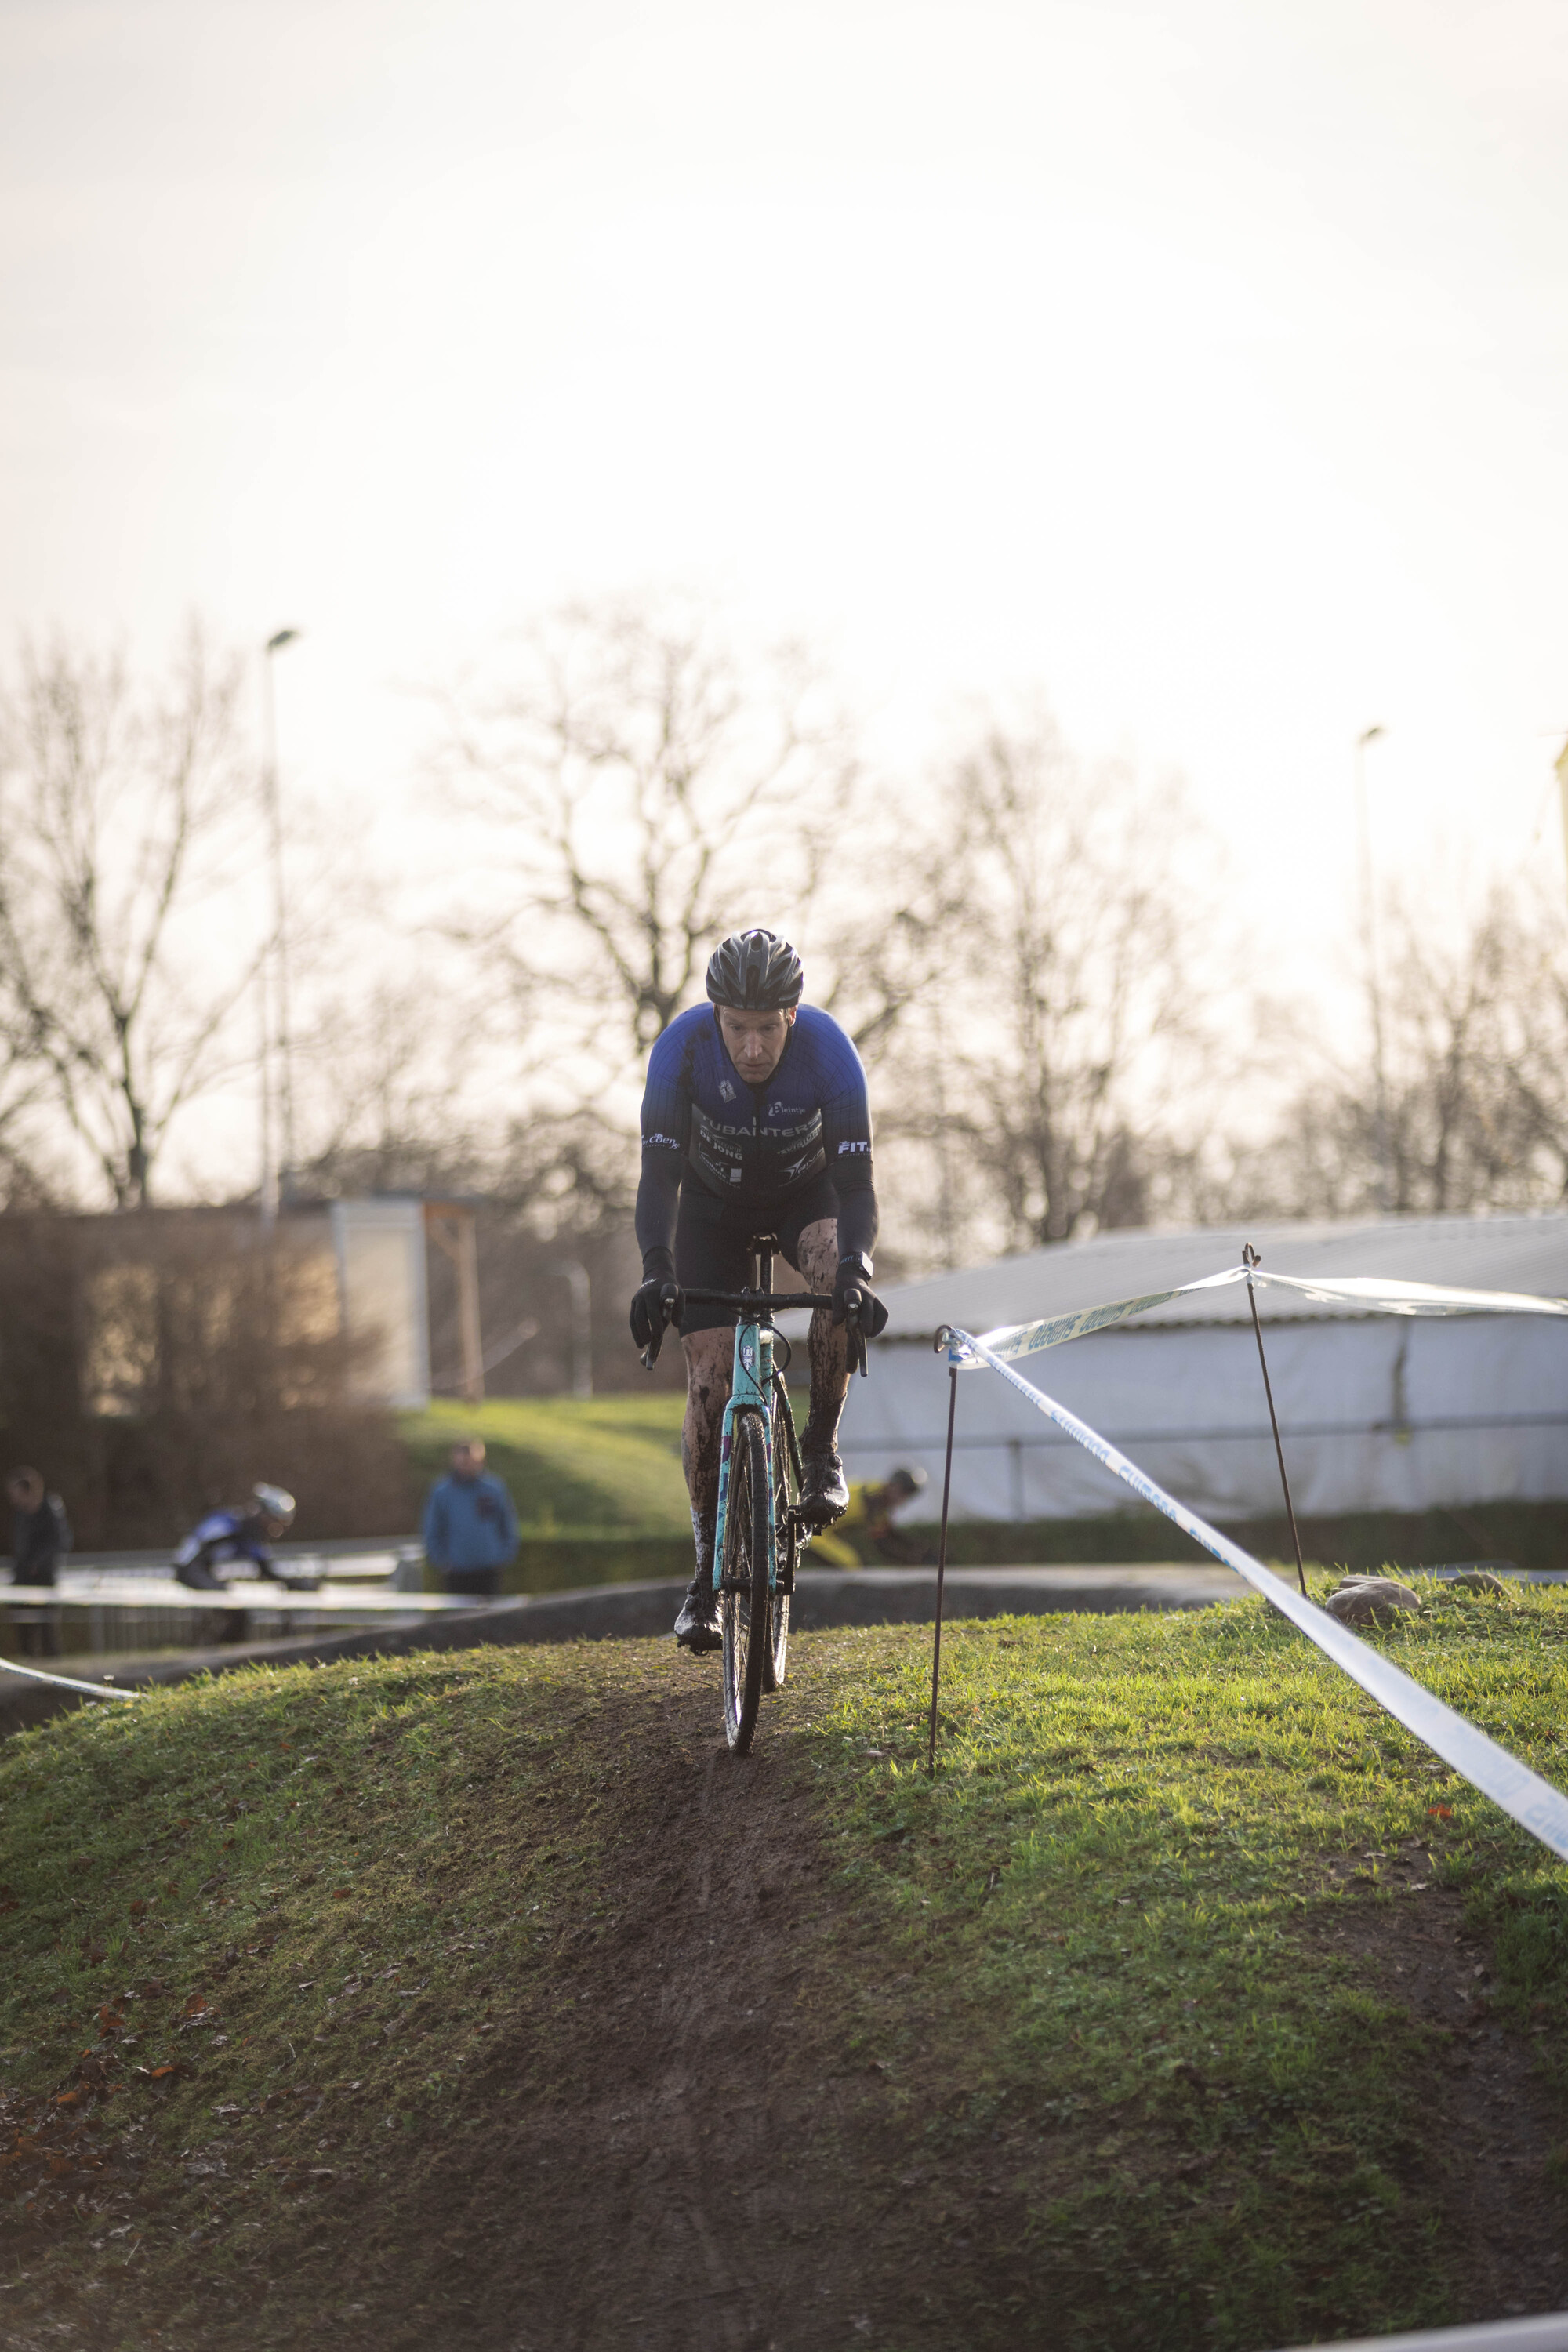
x,y
754,972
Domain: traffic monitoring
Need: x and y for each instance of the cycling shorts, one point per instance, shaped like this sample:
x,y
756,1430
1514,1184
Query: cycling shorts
x,y
713,1237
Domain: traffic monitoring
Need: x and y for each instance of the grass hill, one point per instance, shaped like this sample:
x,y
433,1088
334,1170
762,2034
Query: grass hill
x,y
609,1465
484,2000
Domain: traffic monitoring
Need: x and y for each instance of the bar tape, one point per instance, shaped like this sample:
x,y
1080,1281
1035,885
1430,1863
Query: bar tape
x,y
1532,1802
64,1681
1373,1295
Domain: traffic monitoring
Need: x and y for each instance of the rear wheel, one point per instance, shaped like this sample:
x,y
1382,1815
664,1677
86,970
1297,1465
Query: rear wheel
x,y
786,1491
743,1592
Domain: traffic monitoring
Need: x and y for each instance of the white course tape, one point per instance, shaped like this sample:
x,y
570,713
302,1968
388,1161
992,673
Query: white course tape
x,y
1530,1800
64,1681
1373,1295
1549,2332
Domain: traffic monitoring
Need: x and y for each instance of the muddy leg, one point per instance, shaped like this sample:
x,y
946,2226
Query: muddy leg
x,y
818,1260
709,1357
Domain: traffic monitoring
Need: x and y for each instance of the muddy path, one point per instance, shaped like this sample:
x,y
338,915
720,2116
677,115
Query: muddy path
x,y
677,2132
697,2161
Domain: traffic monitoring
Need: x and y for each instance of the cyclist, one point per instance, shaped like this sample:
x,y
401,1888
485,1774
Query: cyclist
x,y
755,1120
225,1539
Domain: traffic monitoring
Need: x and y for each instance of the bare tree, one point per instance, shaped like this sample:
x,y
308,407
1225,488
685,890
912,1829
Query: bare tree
x,y
656,793
121,809
385,1107
1475,1028
1073,1016
22,1181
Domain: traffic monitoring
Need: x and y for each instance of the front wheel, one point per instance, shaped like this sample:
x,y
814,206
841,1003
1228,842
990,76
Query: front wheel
x,y
744,1596
787,1493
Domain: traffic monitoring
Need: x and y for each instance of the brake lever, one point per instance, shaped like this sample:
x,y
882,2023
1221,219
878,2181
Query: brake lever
x,y
855,1341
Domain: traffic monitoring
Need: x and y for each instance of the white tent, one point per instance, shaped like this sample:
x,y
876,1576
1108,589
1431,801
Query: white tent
x,y
1377,1411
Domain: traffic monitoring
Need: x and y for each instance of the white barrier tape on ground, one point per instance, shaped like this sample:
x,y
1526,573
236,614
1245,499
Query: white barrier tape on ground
x,y
1530,1800
64,1681
1549,2332
1373,1295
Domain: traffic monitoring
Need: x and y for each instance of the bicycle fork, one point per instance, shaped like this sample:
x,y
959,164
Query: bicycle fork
x,y
751,1391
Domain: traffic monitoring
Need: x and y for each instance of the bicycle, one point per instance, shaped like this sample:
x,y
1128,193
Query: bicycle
x,y
758,1490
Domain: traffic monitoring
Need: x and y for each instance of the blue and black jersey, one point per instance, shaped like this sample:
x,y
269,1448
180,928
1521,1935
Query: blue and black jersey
x,y
230,1540
756,1148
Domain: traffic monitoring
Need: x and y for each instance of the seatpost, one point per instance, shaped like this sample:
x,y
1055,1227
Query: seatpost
x,y
763,1265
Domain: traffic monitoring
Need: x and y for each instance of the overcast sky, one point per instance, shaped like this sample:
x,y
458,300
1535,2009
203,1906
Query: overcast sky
x,y
1205,362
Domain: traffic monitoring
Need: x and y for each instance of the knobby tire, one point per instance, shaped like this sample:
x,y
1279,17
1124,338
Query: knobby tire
x,y
786,1491
745,1606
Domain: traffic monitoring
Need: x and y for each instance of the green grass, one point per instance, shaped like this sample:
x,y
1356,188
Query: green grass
x,y
1134,1819
599,1464
1083,1962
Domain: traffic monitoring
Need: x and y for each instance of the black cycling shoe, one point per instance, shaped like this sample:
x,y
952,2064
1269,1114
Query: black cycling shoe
x,y
825,1493
698,1627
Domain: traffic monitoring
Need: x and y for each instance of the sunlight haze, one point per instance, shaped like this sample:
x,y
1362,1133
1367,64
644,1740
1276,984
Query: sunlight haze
x,y
1202,366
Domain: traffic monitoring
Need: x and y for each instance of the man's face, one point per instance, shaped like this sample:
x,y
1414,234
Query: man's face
x,y
465,1463
755,1041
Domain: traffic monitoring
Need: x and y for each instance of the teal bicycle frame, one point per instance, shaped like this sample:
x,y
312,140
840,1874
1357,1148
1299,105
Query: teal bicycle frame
x,y
753,1386
755,1630
751,1391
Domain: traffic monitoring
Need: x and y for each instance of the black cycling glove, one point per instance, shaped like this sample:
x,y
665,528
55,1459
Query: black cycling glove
x,y
851,1286
653,1302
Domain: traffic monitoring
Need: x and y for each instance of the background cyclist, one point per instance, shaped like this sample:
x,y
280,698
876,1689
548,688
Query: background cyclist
x,y
227,1545
755,1120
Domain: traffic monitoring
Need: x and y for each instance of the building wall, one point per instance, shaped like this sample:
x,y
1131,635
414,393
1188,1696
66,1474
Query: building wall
x,y
1381,1413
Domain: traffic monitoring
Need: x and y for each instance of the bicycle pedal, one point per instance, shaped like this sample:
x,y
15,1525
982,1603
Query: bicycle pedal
x,y
817,1524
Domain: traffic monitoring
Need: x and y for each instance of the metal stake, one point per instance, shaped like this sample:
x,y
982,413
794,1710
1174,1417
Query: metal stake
x,y
1249,1257
942,1559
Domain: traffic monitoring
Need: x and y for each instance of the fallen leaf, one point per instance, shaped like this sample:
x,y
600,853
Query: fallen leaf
x,y
341,1894
194,2006
1441,1813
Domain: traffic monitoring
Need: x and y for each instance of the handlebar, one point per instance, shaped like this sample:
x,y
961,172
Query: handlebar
x,y
740,1300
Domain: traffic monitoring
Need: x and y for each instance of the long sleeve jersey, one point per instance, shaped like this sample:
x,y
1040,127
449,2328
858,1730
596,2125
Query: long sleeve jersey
x,y
755,1146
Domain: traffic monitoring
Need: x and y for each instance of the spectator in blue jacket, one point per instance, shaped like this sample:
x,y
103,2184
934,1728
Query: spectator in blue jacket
x,y
470,1526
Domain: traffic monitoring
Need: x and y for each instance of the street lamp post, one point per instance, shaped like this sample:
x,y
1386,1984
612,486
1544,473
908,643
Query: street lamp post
x,y
1374,984
278,1105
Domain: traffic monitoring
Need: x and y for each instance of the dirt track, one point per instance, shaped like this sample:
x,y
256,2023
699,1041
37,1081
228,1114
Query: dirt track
x,y
673,2137
698,2176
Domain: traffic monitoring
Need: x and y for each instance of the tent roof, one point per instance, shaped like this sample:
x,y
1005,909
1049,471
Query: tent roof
x,y
1521,1254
